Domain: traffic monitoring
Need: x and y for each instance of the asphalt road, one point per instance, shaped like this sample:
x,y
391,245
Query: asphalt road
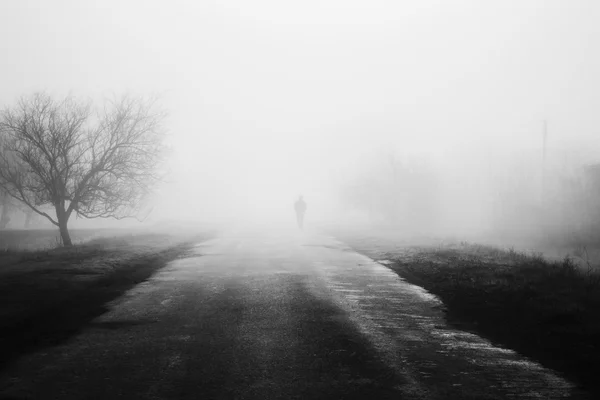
x,y
276,316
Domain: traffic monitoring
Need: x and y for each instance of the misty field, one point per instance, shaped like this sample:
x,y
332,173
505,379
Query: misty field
x,y
547,310
48,295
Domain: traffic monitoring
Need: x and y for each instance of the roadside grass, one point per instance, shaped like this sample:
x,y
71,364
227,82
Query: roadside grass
x,y
548,311
46,296
47,239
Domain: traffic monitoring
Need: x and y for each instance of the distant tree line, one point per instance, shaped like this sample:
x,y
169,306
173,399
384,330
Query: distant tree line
x,y
395,191
11,209
515,199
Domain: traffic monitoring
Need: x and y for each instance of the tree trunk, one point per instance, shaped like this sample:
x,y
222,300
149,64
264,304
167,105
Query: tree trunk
x,y
5,216
64,233
28,218
63,218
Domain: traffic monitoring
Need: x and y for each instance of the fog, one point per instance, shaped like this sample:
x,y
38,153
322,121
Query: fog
x,y
269,100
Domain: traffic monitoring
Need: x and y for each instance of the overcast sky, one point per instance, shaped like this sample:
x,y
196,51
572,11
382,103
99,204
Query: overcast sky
x,y
269,98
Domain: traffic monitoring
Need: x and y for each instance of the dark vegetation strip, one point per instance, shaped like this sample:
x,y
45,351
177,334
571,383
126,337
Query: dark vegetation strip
x,y
17,240
46,306
548,311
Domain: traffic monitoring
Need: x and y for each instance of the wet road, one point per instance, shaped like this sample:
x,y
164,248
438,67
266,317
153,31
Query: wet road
x,y
277,316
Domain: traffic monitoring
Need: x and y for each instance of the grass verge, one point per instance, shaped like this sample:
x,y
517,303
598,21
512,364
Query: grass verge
x,y
48,296
548,311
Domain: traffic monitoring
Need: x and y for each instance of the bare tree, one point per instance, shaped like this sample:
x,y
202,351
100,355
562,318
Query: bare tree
x,y
64,153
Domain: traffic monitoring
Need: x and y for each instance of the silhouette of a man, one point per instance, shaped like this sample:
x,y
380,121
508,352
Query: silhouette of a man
x,y
300,207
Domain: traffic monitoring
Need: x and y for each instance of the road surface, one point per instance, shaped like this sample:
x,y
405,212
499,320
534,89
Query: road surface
x,y
276,316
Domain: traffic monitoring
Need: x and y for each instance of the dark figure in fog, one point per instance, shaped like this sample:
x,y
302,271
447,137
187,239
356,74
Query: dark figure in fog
x,y
300,207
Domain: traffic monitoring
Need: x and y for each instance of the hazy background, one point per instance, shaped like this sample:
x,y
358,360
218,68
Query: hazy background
x,y
271,99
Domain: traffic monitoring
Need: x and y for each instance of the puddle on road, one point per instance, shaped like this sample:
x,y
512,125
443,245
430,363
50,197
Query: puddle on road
x,y
407,325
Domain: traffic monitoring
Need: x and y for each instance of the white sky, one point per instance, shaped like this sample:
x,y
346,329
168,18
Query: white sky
x,y
268,98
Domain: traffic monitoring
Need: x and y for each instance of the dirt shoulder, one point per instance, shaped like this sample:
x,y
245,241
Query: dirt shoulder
x,y
548,311
48,296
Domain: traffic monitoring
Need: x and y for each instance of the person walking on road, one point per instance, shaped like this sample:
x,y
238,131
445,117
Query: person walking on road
x,y
300,207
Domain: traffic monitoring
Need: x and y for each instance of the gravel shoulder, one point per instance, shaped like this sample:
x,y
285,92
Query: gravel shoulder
x,y
547,310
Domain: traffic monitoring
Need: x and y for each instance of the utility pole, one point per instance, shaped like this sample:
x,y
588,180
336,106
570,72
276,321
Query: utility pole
x,y
544,151
545,140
